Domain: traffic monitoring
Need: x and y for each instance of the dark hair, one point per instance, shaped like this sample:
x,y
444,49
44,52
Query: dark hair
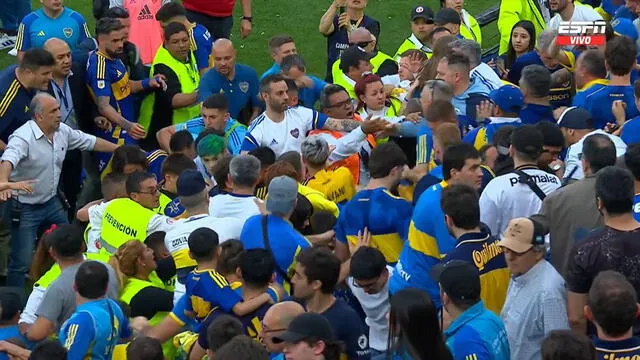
x,y
242,347
414,327
145,348
322,265
301,215
385,158
110,183
599,152
593,61
35,58
169,11
230,257
265,83
325,94
620,55
176,163
460,60
125,155
67,241
636,89
456,156
440,111
11,304
511,52
632,160
203,243
322,221
290,61
216,101
567,345
294,158
173,28
48,350
439,29
92,280
462,204
257,266
414,52
116,12
291,86
155,241
278,40
615,188
266,156
106,26
613,303
180,141
135,179
222,329
537,79
220,171
367,263
551,133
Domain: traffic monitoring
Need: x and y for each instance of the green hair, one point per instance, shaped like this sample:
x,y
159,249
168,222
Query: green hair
x,y
211,145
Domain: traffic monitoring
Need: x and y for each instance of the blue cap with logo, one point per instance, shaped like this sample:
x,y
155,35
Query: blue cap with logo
x,y
190,182
508,98
624,27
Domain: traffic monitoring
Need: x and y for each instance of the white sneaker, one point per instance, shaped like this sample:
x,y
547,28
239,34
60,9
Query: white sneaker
x,y
13,52
7,41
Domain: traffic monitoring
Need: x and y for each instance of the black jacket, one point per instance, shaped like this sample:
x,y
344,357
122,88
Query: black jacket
x,y
83,105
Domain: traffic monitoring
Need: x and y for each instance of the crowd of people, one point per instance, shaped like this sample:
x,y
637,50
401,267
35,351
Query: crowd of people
x,y
162,200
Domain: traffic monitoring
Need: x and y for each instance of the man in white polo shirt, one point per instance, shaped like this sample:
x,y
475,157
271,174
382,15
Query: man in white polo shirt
x,y
195,199
282,128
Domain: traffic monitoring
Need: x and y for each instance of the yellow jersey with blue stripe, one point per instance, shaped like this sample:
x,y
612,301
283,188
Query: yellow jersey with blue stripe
x,y
424,148
386,216
336,184
428,242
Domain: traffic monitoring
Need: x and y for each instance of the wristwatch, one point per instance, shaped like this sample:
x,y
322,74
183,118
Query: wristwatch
x,y
248,18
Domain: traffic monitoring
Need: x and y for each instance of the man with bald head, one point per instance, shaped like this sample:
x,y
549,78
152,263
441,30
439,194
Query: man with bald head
x,y
275,322
69,89
381,63
238,82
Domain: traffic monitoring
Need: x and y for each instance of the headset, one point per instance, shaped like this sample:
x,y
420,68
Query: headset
x,y
538,233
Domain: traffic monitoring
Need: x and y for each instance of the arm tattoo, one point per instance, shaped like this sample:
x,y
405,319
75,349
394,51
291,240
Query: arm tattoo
x,y
341,124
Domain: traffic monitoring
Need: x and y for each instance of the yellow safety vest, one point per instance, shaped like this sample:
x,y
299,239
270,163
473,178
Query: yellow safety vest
x,y
123,220
342,81
164,201
376,62
52,274
407,44
189,79
132,287
513,11
470,29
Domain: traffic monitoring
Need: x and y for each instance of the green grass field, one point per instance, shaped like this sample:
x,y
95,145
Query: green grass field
x,y
300,19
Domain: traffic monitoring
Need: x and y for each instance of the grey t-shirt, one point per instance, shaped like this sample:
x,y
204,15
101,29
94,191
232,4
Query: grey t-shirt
x,y
59,301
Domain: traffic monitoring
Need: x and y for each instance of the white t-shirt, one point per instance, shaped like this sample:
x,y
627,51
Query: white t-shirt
x,y
505,198
375,307
236,206
573,162
176,239
286,135
580,13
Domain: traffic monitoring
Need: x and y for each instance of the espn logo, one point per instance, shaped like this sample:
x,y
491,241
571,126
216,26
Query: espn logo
x,y
572,33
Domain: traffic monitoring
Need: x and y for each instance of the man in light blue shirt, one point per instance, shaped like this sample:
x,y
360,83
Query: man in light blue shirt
x,y
281,46
309,87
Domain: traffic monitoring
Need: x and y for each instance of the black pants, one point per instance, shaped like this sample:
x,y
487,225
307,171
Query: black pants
x,y
219,27
71,179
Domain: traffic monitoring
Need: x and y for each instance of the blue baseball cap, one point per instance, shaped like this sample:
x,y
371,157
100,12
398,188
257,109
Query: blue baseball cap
x,y
575,118
625,27
190,182
508,98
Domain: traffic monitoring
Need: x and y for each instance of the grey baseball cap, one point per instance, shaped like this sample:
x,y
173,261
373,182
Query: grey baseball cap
x,y
281,195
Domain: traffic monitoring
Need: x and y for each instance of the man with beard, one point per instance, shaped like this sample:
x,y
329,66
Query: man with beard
x,y
376,208
283,129
238,82
567,10
108,80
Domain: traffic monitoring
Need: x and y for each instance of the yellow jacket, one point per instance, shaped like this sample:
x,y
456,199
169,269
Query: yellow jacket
x,y
470,29
512,11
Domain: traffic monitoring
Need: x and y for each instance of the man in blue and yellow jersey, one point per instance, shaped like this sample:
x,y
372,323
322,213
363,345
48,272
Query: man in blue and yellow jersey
x,y
376,208
18,84
507,103
513,11
53,20
130,158
590,75
429,239
421,27
172,167
109,83
461,208
98,323
199,37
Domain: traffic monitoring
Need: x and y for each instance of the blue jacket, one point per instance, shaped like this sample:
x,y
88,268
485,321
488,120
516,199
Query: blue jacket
x,y
478,334
465,103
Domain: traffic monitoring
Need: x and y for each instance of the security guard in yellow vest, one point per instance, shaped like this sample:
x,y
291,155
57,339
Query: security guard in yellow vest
x,y
353,63
129,218
381,63
180,100
421,27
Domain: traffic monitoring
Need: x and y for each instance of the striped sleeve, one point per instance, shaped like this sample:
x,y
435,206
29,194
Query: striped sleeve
x,y
23,39
78,334
8,98
97,75
220,293
82,27
235,139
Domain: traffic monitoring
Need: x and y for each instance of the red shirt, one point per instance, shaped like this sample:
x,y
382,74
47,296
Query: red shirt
x,y
217,8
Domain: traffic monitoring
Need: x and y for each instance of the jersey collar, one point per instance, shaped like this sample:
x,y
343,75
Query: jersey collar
x,y
594,82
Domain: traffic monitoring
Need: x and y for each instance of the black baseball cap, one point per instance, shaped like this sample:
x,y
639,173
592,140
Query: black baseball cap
x,y
190,182
527,139
447,16
305,326
422,12
353,55
459,279
575,118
